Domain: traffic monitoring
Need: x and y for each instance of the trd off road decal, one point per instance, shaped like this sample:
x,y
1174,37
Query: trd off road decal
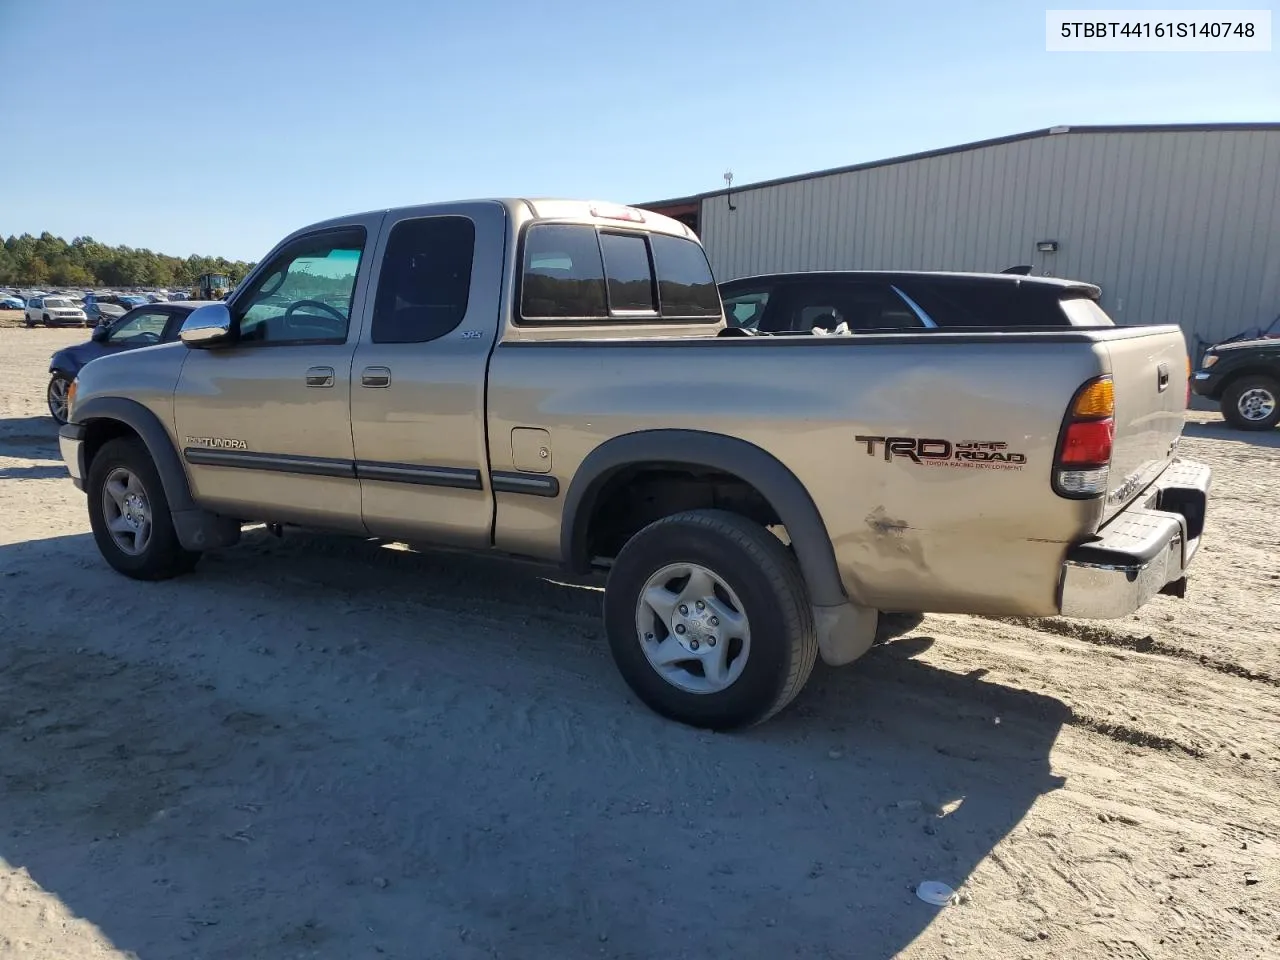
x,y
983,455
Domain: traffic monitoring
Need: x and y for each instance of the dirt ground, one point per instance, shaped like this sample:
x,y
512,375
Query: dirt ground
x,y
322,747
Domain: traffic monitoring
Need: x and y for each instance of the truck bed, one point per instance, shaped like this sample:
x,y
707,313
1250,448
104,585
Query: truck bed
x,y
982,532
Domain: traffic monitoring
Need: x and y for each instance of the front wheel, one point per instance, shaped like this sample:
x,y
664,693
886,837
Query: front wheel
x,y
48,320
709,620
1252,403
56,394
130,516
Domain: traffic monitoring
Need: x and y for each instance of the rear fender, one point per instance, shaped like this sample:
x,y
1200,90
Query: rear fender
x,y
845,630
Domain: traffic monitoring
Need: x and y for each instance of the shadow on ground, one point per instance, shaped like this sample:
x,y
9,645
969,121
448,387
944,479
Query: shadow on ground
x,y
50,472
1218,430
321,746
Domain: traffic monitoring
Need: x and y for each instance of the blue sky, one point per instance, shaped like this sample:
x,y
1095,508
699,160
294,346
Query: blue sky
x,y
216,128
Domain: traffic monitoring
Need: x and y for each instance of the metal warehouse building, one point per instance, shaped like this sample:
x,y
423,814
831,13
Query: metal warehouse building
x,y
1174,223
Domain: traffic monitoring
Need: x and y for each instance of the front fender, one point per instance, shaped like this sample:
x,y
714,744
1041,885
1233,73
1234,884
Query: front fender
x,y
147,426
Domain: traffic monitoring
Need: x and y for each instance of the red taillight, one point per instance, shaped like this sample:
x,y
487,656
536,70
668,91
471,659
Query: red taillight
x,y
1083,461
1087,443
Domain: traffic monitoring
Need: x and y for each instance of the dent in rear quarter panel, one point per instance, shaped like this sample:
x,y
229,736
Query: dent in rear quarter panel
x,y
907,536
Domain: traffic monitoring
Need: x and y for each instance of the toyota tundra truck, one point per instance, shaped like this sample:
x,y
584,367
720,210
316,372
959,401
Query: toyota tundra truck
x,y
553,380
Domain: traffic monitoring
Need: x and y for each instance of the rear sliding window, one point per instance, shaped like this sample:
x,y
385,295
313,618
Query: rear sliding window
x,y
574,272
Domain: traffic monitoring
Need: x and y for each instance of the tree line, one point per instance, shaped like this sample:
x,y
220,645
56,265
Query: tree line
x,y
47,260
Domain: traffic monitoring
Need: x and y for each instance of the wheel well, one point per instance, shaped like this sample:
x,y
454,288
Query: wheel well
x,y
99,432
637,495
1271,373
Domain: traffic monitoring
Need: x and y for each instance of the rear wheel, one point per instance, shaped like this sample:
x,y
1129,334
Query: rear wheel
x,y
59,384
130,514
709,620
1252,403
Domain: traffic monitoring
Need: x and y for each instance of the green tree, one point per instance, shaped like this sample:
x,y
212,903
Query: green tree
x,y
26,260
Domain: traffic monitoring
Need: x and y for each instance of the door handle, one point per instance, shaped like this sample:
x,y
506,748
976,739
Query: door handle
x,y
320,377
1162,377
375,377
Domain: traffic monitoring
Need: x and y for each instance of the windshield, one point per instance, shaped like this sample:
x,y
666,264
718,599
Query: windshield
x,y
56,302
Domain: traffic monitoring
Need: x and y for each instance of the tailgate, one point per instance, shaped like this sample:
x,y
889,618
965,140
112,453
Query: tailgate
x,y
1150,374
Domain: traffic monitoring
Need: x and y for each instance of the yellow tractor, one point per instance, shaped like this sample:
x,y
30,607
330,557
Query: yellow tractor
x,y
211,286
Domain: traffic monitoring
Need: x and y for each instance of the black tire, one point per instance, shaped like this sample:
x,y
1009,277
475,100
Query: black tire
x,y
163,556
48,320
54,410
1247,387
762,572
31,324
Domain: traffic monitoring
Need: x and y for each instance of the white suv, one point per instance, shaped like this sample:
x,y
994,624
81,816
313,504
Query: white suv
x,y
54,311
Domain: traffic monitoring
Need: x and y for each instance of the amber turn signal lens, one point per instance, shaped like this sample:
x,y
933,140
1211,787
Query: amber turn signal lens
x,y
1098,399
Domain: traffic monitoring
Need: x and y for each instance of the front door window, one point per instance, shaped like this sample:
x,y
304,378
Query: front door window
x,y
304,295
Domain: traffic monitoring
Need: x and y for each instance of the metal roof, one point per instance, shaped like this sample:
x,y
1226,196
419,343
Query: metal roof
x,y
975,145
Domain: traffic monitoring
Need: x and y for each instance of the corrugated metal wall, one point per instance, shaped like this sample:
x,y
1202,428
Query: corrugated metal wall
x,y
1174,226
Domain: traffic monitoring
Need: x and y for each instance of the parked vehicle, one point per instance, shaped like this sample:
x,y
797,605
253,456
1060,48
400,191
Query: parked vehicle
x,y
1269,332
1244,377
140,327
53,312
102,308
211,286
12,303
854,301
546,379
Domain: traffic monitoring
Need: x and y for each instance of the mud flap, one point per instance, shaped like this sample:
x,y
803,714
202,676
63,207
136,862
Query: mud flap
x,y
845,632
202,530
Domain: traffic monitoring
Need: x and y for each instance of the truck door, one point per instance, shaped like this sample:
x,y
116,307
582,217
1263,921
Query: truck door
x,y
418,393
264,423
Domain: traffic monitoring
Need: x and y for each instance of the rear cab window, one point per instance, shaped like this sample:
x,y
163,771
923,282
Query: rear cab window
x,y
579,273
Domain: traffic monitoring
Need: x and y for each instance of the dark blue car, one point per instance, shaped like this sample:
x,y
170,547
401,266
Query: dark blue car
x,y
141,327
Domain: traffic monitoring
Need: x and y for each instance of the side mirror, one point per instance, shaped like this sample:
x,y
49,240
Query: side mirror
x,y
101,332
207,326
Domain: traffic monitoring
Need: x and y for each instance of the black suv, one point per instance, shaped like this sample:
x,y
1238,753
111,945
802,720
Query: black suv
x,y
861,301
1244,377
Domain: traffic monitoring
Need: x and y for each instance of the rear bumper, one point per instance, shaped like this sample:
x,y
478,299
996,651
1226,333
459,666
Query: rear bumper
x,y
1144,550
71,446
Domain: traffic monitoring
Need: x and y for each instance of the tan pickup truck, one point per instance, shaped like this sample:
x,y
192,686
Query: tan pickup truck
x,y
549,379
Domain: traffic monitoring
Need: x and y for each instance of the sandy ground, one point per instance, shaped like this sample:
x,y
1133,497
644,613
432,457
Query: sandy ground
x,y
323,747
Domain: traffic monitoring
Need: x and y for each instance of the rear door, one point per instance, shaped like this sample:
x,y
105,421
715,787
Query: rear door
x,y
418,394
